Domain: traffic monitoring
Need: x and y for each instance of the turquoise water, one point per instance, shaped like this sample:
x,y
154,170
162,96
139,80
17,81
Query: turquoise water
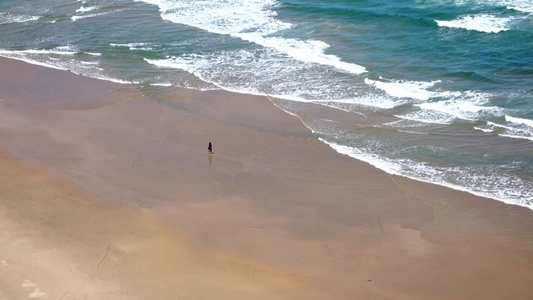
x,y
438,91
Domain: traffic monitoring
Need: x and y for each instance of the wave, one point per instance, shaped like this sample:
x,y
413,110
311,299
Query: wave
x,y
516,128
487,130
446,112
222,17
84,9
252,21
518,5
417,90
80,17
163,84
12,55
7,18
495,125
468,106
428,117
480,182
235,72
135,46
520,137
437,107
307,51
53,59
519,121
481,22
57,51
367,100
264,71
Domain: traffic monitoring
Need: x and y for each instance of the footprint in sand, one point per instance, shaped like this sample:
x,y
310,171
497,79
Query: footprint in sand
x,y
3,264
35,291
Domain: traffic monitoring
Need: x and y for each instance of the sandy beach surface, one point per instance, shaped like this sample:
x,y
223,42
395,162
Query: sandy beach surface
x,y
108,192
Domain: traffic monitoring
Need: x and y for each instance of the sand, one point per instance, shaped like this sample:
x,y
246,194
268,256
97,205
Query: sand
x,y
107,192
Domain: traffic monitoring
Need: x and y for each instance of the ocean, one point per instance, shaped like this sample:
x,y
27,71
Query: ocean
x,y
439,91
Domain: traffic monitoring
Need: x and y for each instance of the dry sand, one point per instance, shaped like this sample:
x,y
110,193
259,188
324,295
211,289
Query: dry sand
x,y
109,193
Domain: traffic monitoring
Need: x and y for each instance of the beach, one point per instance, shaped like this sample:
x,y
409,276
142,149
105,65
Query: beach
x,y
109,193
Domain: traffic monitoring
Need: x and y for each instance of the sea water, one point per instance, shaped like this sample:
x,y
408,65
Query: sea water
x,y
439,90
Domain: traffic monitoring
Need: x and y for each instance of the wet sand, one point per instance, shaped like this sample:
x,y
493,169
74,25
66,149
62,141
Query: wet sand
x,y
107,192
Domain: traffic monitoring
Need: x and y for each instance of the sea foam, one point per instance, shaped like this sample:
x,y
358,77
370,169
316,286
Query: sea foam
x,y
519,121
508,189
417,90
515,128
80,17
6,18
518,5
482,23
85,9
60,59
252,21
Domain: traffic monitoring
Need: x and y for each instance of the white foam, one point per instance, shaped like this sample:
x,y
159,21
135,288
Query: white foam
x,y
459,109
164,84
115,80
517,136
430,117
79,17
482,23
417,90
253,21
516,130
243,72
526,122
247,72
164,63
129,45
196,64
488,130
371,101
31,56
450,105
67,49
39,51
222,17
489,123
135,46
519,5
84,9
506,189
468,106
15,55
6,18
307,51
76,67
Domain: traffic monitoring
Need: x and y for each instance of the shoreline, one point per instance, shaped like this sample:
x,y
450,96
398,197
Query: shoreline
x,y
272,212
278,102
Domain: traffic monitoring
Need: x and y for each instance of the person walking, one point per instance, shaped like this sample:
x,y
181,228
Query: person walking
x,y
210,148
